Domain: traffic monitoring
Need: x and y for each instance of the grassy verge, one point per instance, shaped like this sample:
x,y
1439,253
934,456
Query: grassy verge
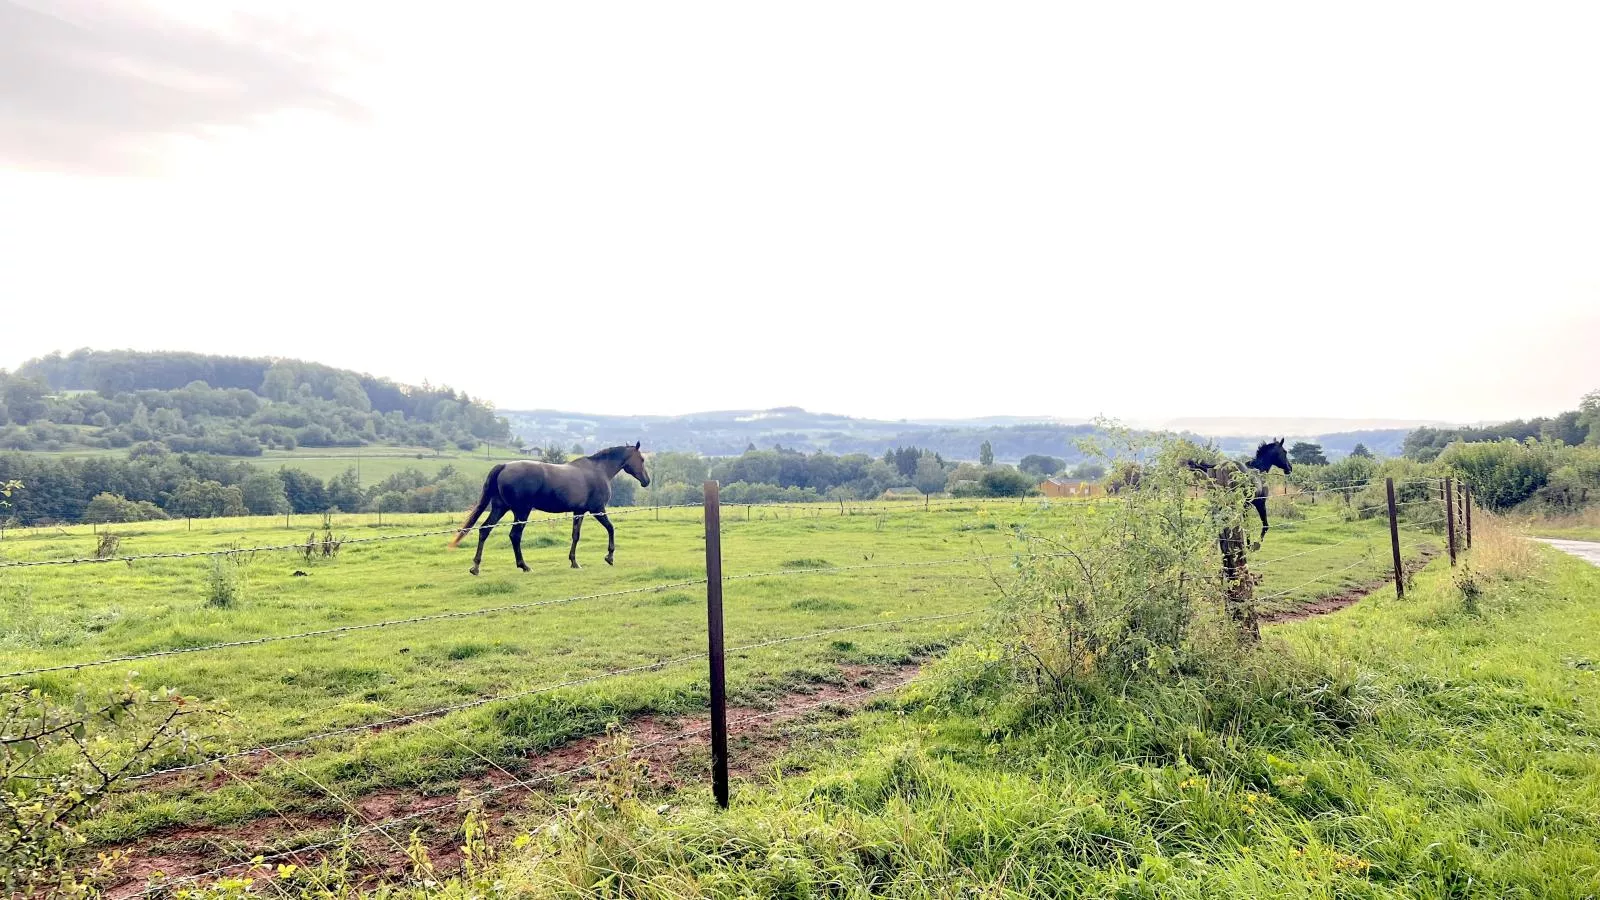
x,y
1446,745
1583,526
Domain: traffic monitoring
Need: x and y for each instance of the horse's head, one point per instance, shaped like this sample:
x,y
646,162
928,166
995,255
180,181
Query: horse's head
x,y
1272,454
633,464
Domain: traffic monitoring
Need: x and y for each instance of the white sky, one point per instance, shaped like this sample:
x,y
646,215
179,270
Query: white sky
x,y
884,209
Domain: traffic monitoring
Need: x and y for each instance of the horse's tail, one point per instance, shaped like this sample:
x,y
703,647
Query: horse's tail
x,y
489,485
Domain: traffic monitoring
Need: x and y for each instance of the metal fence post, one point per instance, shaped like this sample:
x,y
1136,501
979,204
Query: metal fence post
x,y
719,687
1450,516
1394,541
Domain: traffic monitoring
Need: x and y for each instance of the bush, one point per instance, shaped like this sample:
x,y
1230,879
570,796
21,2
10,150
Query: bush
x,y
57,763
1501,474
1131,591
1004,481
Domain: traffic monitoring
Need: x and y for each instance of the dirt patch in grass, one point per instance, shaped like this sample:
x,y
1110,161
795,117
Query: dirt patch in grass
x,y
1324,605
674,751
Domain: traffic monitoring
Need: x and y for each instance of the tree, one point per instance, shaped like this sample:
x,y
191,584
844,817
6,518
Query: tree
x,y
1005,481
985,454
264,495
344,492
305,491
1089,470
202,499
1306,454
1361,451
1038,464
108,507
552,454
23,398
577,449
929,477
1589,416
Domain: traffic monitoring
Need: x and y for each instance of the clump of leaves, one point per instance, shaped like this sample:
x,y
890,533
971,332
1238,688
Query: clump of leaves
x,y
58,762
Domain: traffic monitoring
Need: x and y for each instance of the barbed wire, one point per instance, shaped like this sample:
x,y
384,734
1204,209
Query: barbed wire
x,y
1323,577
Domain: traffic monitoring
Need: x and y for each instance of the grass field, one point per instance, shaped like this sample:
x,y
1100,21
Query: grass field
x,y
1442,746
290,689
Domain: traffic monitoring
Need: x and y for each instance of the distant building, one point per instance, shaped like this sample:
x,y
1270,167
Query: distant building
x,y
1066,487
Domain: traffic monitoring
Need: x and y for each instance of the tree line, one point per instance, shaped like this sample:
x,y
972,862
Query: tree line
x,y
1573,428
154,483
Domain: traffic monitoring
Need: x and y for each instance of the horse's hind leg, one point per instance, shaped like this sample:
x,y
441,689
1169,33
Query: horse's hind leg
x,y
495,515
611,536
577,526
516,536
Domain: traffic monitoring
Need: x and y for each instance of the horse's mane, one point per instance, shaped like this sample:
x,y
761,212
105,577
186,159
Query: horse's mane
x,y
611,454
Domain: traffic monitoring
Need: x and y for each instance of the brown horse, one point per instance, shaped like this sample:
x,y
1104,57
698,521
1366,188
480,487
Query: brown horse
x,y
578,487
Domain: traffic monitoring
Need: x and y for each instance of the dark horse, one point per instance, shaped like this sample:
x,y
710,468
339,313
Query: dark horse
x,y
1269,454
578,487
1237,580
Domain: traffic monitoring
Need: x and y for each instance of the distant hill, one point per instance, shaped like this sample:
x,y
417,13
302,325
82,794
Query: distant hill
x,y
730,432
237,406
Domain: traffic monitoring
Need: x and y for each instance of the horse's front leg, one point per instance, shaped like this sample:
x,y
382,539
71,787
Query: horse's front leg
x,y
1260,504
611,535
577,526
516,538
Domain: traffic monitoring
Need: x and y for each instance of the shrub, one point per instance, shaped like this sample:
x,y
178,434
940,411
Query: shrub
x,y
57,763
1501,474
1130,591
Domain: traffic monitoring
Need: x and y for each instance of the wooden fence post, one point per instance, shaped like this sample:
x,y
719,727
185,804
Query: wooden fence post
x,y
719,687
1394,542
1450,516
1466,507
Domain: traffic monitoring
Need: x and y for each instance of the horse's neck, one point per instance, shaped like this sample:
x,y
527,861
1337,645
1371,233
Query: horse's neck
x,y
608,467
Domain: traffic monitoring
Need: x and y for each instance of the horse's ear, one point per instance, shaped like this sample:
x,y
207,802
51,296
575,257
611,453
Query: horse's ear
x,y
636,444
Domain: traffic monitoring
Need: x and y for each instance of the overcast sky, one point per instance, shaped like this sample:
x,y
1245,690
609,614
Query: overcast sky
x,y
886,209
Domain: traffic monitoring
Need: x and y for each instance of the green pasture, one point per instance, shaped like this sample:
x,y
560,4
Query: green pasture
x,y
278,691
1444,745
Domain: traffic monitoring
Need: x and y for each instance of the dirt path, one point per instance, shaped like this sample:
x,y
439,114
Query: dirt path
x,y
1324,605
1588,551
672,751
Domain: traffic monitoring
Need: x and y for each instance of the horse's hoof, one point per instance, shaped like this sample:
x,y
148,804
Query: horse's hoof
x,y
1255,546
575,565
524,567
473,570
609,562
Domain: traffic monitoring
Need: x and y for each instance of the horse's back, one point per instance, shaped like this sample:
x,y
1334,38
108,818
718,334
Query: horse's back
x,y
547,487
